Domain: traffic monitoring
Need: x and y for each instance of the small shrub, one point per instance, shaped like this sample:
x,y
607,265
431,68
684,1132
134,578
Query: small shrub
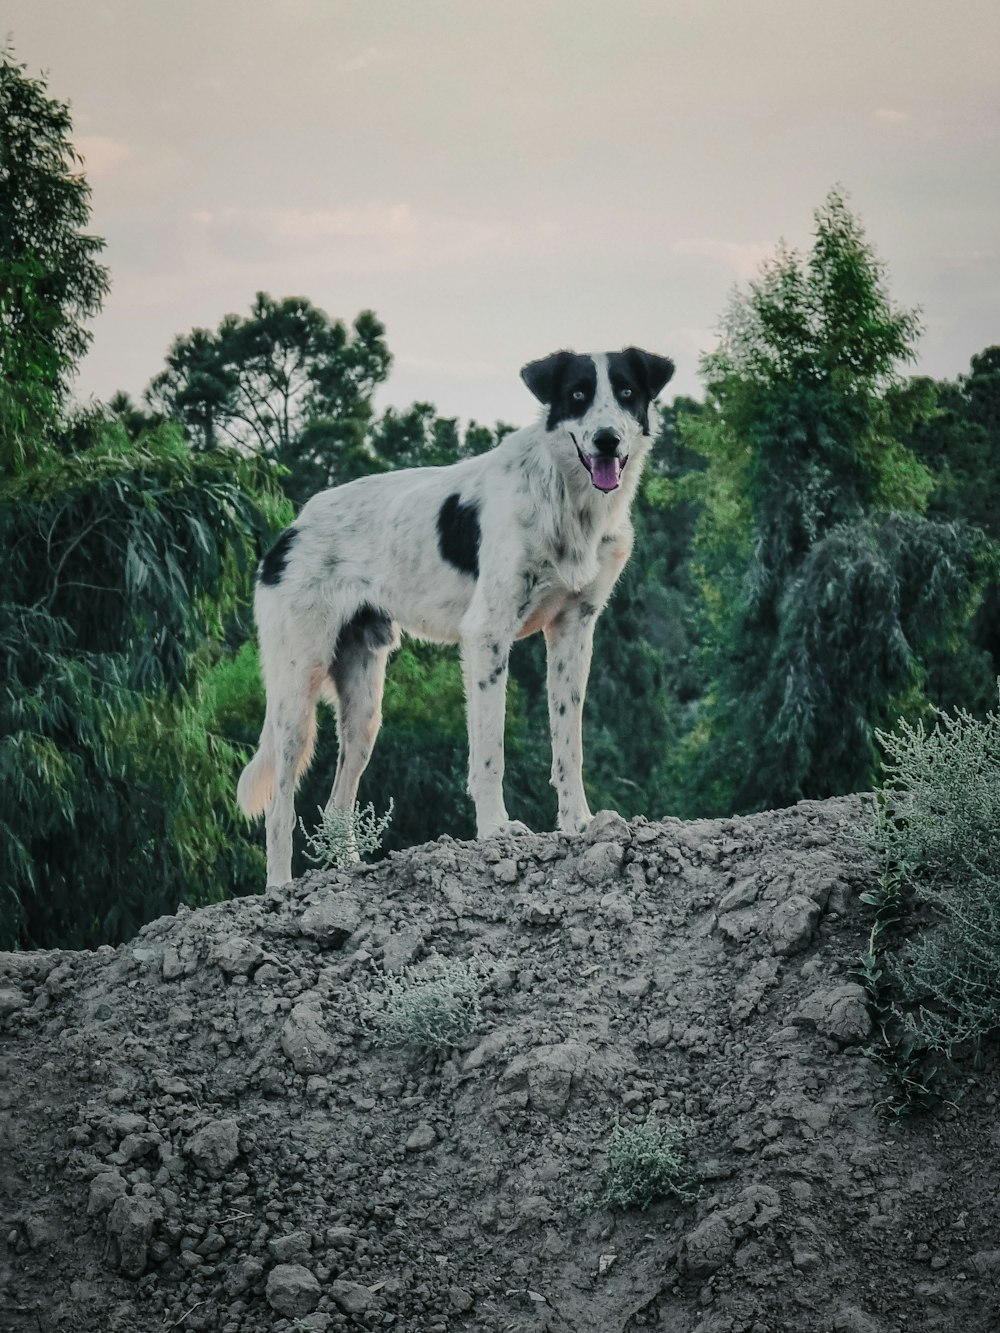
x,y
937,829
647,1162
433,1006
344,836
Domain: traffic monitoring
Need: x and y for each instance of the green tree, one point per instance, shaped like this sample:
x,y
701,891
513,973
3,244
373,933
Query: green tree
x,y
823,589
50,280
960,444
286,382
123,554
419,437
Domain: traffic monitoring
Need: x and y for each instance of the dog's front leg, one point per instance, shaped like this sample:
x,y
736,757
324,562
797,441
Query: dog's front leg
x,y
569,641
485,650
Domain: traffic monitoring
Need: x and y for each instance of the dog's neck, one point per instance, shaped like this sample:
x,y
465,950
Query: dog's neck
x,y
588,516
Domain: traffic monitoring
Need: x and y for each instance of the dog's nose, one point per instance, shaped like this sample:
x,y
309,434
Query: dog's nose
x,y
606,441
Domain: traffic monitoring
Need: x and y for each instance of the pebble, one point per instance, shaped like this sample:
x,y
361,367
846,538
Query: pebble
x,y
292,1289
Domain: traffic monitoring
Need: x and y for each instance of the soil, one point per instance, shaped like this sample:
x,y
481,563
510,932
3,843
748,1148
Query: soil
x,y
198,1132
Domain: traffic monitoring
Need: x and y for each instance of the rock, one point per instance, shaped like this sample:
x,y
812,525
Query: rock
x,y
11,1000
987,1264
548,1074
617,910
286,1249
401,948
660,1032
351,1297
237,956
743,894
130,1227
755,1207
422,1138
242,1276
607,826
792,924
841,1013
849,1319
600,863
751,989
306,1042
105,1189
215,1148
292,1290
332,920
459,1299
171,964
709,1246
535,912
738,926
505,870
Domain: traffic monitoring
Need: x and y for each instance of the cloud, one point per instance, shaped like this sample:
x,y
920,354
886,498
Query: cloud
x,y
890,116
371,235
371,55
743,258
101,154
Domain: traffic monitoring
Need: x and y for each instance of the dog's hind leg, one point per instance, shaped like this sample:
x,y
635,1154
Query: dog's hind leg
x,y
291,725
358,674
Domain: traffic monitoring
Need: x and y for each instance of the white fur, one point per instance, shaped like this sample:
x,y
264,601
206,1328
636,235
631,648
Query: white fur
x,y
552,546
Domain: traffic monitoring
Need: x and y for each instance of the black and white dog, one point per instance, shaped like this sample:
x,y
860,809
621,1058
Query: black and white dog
x,y
529,536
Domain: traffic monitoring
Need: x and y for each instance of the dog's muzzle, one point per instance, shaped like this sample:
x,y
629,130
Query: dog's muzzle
x,y
607,463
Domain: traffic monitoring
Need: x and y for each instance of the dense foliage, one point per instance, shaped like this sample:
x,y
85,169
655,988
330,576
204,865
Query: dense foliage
x,y
816,552
122,558
825,586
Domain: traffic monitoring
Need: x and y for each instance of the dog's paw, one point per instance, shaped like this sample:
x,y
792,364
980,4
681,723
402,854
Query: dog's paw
x,y
505,826
575,823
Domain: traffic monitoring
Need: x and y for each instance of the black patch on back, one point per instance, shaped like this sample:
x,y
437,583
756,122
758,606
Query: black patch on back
x,y
565,382
459,534
368,630
272,567
636,378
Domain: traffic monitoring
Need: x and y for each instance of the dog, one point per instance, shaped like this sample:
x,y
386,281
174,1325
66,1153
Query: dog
x,y
531,535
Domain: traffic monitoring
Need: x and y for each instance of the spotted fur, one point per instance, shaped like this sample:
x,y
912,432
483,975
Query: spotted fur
x,y
528,537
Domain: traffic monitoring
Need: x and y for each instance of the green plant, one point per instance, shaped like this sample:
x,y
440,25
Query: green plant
x,y
433,1006
941,829
647,1162
914,1079
936,829
344,836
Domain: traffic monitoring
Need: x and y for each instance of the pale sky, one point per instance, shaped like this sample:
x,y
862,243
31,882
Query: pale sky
x,y
499,180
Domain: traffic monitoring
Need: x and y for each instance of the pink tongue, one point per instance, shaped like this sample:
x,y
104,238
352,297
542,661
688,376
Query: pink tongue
x,y
605,472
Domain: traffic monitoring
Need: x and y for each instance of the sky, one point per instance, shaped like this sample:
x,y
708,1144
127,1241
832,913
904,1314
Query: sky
x,y
500,180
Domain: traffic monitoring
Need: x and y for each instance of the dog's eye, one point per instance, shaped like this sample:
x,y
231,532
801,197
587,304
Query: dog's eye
x,y
624,393
578,395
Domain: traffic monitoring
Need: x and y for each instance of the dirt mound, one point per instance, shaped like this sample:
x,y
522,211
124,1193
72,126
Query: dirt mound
x,y
197,1131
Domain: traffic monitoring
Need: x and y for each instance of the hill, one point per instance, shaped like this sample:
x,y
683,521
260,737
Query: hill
x,y
199,1131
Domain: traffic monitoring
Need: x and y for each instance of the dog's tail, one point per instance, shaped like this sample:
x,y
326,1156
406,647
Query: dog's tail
x,y
256,785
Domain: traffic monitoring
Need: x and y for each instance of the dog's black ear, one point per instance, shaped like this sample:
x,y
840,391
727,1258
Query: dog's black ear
x,y
654,370
542,377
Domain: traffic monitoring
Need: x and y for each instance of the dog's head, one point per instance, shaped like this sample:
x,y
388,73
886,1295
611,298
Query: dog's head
x,y
602,402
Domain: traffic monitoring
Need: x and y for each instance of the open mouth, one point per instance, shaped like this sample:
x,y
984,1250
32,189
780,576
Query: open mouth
x,y
605,472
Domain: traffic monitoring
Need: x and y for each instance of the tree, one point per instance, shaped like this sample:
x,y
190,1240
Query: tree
x,y
287,382
123,553
50,280
419,437
823,589
960,444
